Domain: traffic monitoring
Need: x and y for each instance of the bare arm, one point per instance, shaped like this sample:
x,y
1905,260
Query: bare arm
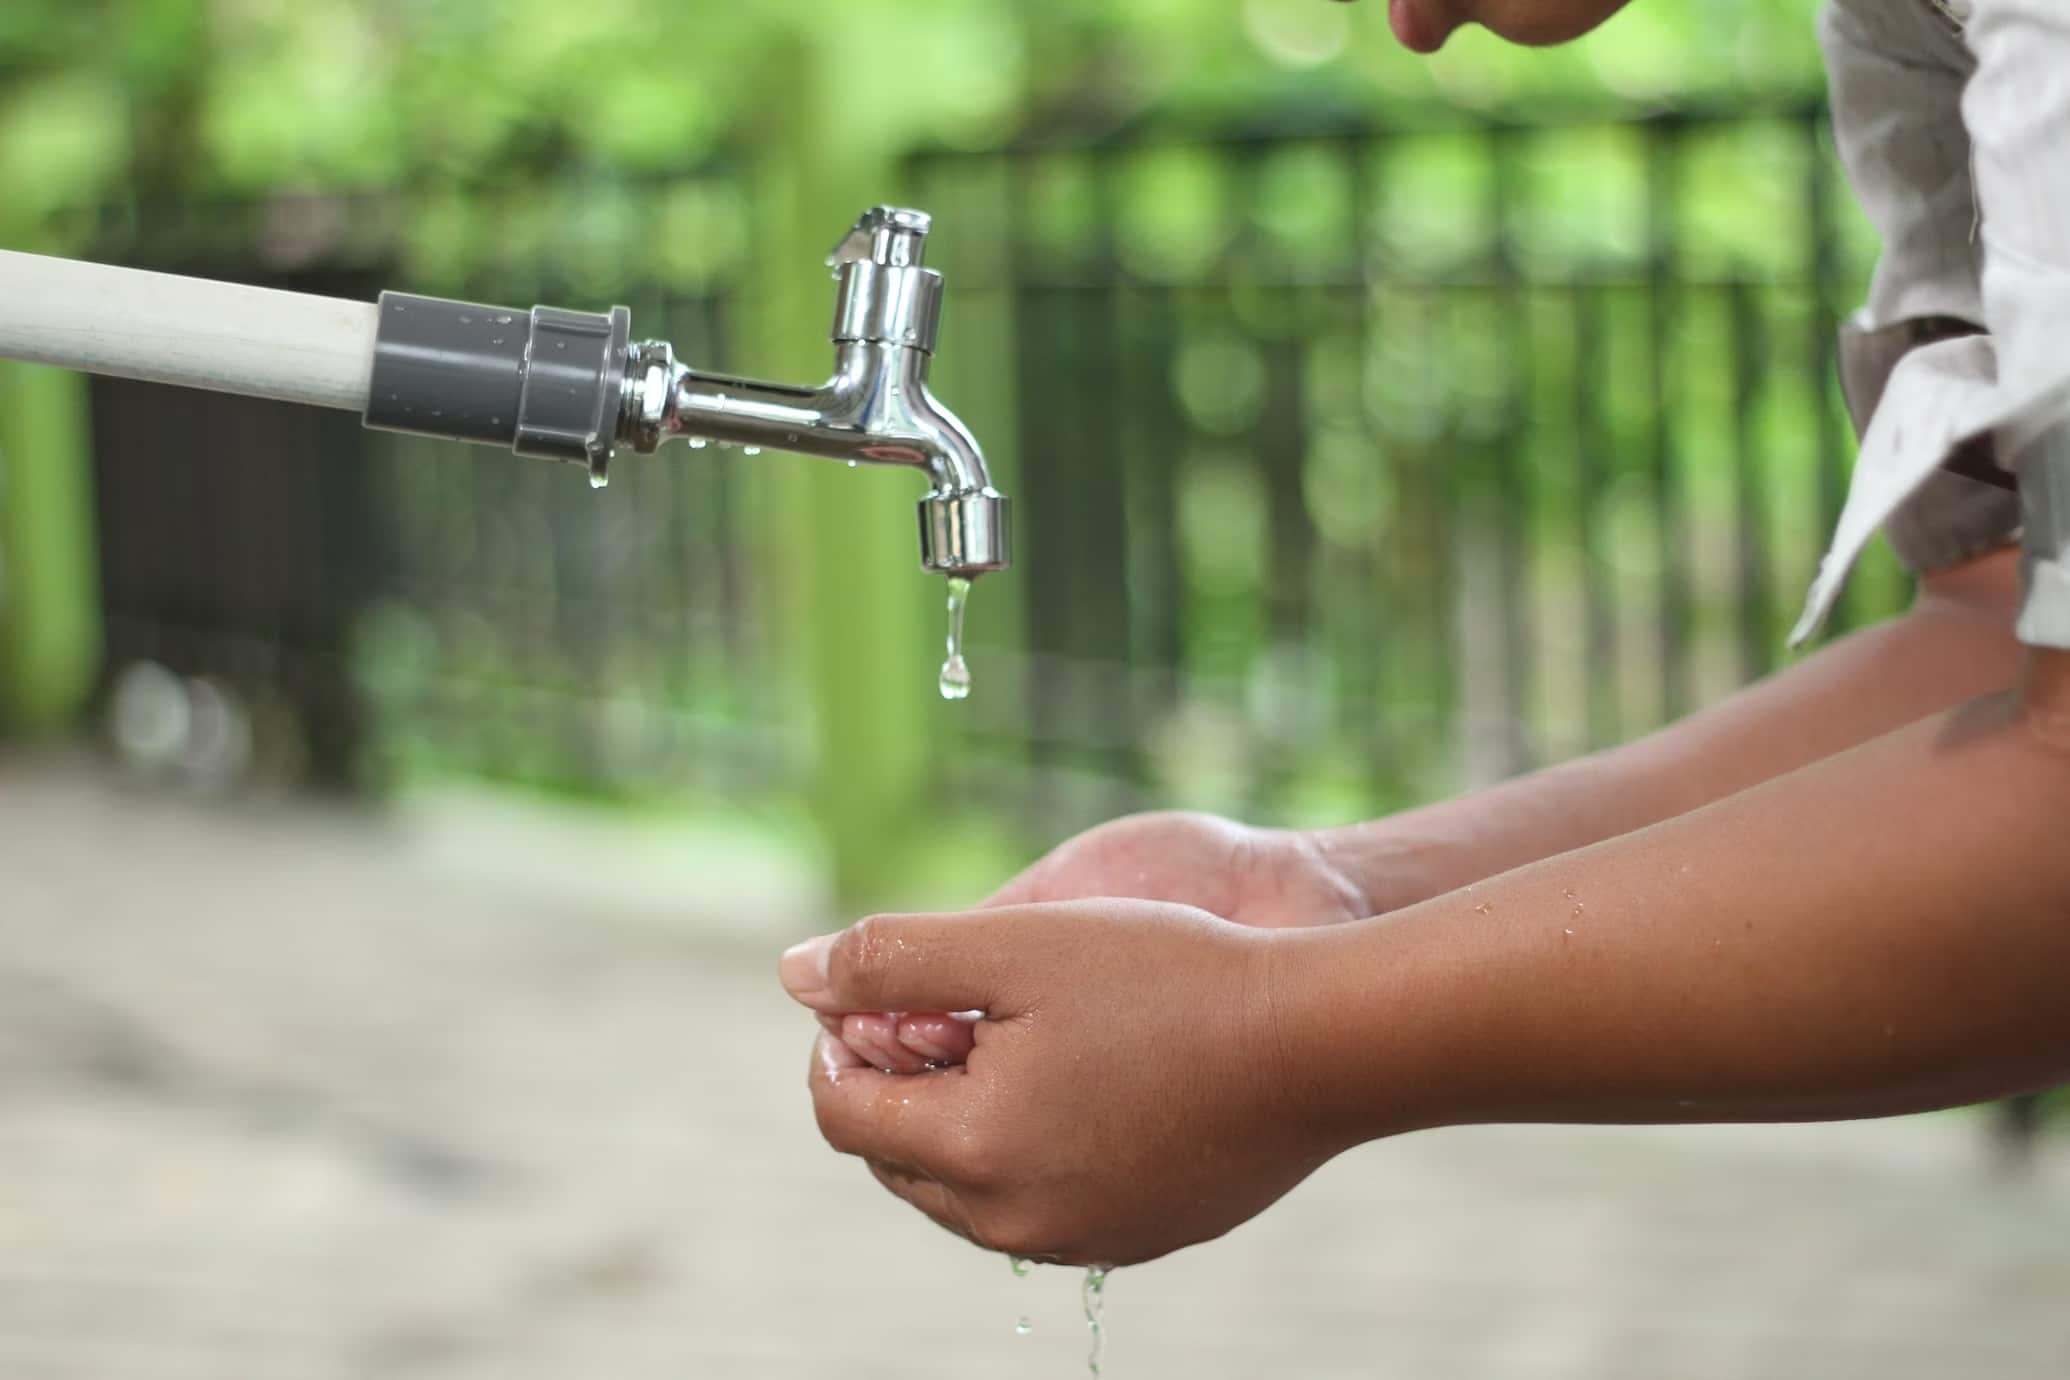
x,y
1954,644
1881,931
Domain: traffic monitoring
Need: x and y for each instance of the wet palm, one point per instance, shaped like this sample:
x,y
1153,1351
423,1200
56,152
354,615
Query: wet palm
x,y
1268,878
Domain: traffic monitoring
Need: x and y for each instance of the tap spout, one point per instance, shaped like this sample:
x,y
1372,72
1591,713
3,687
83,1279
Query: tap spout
x,y
874,409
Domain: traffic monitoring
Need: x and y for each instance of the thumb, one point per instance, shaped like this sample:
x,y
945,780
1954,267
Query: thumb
x,y
906,963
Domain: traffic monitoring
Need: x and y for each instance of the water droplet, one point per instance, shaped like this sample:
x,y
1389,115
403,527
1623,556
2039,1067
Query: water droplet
x,y
750,450
698,443
1094,1296
853,463
560,344
503,320
1023,1327
598,479
955,678
1021,1265
497,340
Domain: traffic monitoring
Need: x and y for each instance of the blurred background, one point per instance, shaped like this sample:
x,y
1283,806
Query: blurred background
x,y
395,836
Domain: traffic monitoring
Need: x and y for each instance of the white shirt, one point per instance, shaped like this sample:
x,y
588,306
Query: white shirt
x,y
1953,120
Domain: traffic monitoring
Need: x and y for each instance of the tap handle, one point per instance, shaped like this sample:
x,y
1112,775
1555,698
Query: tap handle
x,y
890,235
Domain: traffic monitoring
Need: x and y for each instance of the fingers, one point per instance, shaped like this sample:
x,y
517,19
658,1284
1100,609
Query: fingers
x,y
942,1039
901,1122
831,1057
876,1037
902,1043
907,963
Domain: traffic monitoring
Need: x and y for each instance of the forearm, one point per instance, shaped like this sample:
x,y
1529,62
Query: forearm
x,y
1885,930
1955,644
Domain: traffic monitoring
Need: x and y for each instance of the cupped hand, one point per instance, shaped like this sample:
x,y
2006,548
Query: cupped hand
x,y
1267,878
1127,1093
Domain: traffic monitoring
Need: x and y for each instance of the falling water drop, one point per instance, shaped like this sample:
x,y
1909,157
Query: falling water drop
x,y
955,678
598,479
853,463
1094,1297
1024,1326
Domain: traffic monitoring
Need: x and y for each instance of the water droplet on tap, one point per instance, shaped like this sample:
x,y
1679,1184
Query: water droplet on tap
x,y
598,479
1021,1265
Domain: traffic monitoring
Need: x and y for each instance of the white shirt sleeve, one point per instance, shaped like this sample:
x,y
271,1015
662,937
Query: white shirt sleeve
x,y
2017,110
1928,118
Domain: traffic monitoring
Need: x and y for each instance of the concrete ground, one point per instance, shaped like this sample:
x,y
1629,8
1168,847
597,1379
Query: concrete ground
x,y
480,1091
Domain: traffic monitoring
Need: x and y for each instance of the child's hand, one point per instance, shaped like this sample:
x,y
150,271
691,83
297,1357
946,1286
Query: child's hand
x,y
1045,1143
1267,878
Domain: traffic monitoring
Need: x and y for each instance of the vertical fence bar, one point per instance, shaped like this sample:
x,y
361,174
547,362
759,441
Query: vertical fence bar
x,y
1663,178
1755,596
1824,323
1591,447
1514,485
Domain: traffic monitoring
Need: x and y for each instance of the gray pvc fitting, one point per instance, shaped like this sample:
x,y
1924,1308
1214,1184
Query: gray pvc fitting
x,y
545,382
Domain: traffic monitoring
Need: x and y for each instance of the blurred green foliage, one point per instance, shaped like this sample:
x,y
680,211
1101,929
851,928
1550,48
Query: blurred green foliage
x,y
241,96
691,158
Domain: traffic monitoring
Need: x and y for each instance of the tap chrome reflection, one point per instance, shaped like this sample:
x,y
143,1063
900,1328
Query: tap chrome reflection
x,y
875,408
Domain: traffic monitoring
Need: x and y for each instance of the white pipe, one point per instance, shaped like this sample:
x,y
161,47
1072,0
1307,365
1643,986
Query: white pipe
x,y
186,331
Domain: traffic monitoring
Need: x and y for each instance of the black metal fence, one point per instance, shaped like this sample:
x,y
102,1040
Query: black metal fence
x,y
1352,466
1359,465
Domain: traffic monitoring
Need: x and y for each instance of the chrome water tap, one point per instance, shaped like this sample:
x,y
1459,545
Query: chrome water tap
x,y
875,408
572,385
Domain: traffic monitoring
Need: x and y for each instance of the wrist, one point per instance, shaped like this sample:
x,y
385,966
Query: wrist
x,y
1378,865
1366,1019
